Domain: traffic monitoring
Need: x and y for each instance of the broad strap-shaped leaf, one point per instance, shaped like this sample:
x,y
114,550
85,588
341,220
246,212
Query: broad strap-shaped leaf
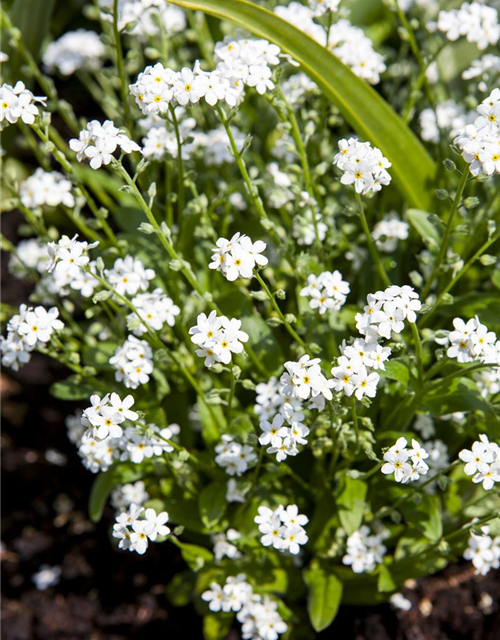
x,y
364,109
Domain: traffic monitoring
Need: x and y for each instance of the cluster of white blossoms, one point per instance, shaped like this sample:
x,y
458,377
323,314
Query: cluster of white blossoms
x,y
386,312
238,257
449,117
283,437
129,275
347,42
27,330
488,381
133,362
217,338
98,142
482,462
258,615
483,551
482,71
480,142
356,370
471,341
137,527
476,21
326,291
282,528
406,464
233,457
16,103
365,550
68,264
304,229
161,138
388,232
124,495
31,255
239,62
105,415
75,50
46,188
363,166
145,18
155,309
223,547
320,7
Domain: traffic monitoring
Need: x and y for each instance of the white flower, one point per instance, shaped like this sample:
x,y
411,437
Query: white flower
x,y
238,257
364,550
234,457
133,362
46,577
128,275
156,524
282,528
46,188
99,141
17,103
483,551
219,338
398,458
155,308
326,291
477,22
363,166
388,231
39,324
74,50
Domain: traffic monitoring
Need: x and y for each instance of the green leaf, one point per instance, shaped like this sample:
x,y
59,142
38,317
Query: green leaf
x,y
263,342
461,394
362,107
105,483
325,593
395,370
195,556
216,625
212,503
213,422
422,223
351,504
32,18
73,388
425,516
385,583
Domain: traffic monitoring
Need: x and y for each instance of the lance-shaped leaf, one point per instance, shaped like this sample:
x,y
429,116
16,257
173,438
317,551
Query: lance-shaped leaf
x,y
364,109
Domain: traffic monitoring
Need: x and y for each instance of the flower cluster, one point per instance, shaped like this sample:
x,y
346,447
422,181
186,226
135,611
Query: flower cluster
x,y
105,415
482,462
478,142
365,550
258,615
388,232
483,70
476,21
483,551
69,255
282,528
125,495
448,117
75,50
97,143
16,103
143,18
353,373
386,312
304,379
233,457
223,547
349,43
133,362
217,338
27,330
137,527
155,309
129,275
283,438
31,255
326,291
364,166
46,188
406,464
471,341
239,62
237,258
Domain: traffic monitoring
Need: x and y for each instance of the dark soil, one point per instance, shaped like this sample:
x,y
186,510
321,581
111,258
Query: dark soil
x,y
104,594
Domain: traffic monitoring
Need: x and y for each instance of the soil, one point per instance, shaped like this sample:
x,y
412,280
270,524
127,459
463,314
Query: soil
x,y
105,594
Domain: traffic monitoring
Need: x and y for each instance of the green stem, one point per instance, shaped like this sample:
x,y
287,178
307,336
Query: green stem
x,y
180,172
281,316
120,67
446,238
371,243
418,348
355,422
459,275
230,399
252,190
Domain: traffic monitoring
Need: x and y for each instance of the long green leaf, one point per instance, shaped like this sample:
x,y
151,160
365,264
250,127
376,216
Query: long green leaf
x,y
362,107
325,594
